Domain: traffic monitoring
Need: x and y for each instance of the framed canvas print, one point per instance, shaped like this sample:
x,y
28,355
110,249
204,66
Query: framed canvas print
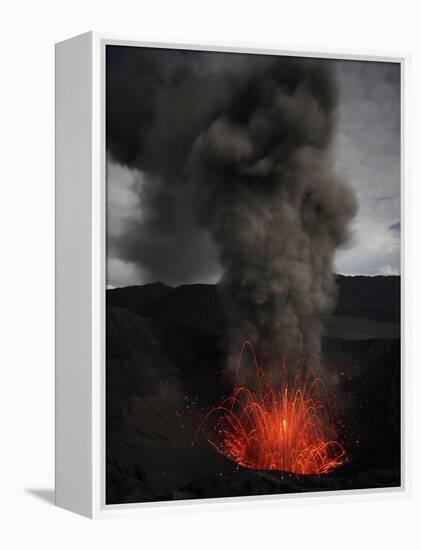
x,y
229,262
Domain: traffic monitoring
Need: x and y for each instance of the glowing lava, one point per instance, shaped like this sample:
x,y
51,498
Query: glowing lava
x,y
286,427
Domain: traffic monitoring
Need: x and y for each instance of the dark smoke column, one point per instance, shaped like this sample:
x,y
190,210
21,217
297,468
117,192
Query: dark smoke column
x,y
237,147
274,206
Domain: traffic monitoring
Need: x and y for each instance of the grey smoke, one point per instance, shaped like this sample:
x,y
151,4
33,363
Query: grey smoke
x,y
158,101
237,163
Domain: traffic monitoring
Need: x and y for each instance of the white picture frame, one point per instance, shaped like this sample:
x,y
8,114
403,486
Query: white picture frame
x,y
81,276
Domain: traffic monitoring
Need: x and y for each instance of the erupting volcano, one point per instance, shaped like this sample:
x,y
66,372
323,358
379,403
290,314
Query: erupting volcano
x,y
278,426
242,357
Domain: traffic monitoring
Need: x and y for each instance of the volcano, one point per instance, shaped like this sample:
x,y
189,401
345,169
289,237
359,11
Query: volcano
x,y
165,354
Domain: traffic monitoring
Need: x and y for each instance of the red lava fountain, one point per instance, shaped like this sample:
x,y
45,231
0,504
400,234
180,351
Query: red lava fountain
x,y
283,426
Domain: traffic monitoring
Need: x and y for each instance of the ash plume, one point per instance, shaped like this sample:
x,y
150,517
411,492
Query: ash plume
x,y
237,163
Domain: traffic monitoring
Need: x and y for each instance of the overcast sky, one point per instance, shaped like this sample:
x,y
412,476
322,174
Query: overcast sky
x,y
366,155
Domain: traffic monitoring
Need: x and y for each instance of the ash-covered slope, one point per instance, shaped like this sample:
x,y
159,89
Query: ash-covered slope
x,y
151,366
165,348
376,298
196,305
155,368
137,298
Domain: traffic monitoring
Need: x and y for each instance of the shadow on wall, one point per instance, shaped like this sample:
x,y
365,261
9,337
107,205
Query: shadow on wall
x,y
47,495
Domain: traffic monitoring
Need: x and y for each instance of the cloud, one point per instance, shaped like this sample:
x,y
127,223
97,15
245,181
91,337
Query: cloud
x,y
121,273
373,250
122,201
172,251
367,154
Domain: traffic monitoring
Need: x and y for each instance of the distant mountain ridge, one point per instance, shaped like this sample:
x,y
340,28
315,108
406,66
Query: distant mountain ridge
x,y
200,305
376,298
137,298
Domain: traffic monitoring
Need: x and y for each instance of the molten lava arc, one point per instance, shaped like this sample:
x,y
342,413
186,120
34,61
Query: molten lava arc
x,y
286,427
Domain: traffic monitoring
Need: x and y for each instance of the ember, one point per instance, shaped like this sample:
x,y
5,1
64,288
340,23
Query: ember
x,y
284,426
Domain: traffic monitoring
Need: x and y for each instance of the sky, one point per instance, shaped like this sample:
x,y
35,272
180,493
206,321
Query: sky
x,y
366,155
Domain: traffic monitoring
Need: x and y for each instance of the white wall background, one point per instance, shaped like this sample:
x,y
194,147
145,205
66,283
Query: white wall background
x,y
28,32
